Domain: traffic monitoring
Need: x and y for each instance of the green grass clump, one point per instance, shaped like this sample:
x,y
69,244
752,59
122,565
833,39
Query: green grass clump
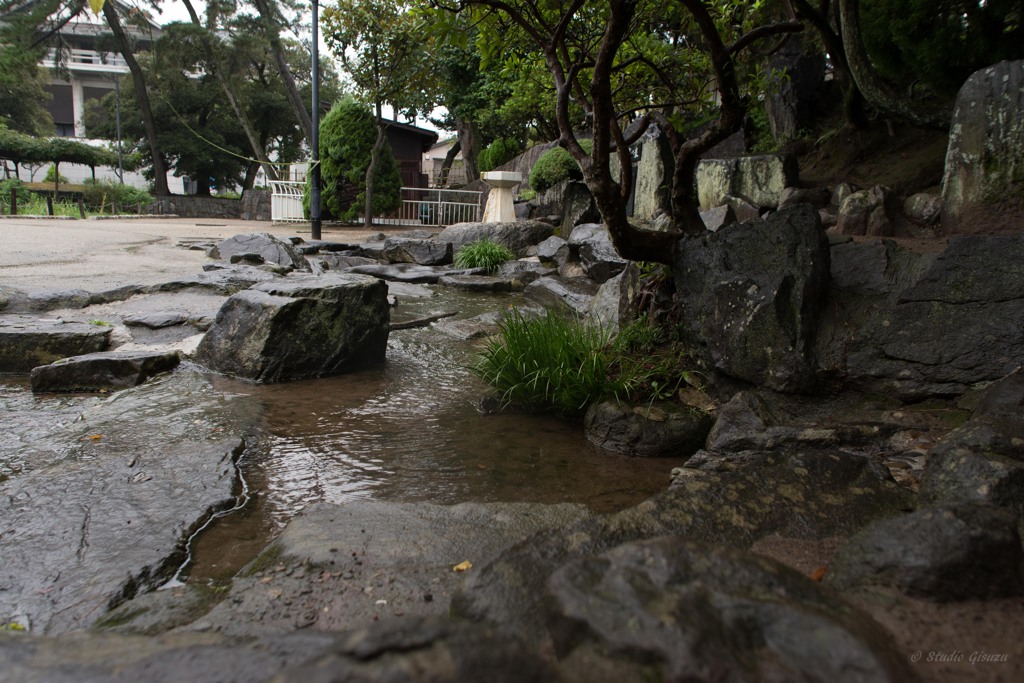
x,y
562,365
484,254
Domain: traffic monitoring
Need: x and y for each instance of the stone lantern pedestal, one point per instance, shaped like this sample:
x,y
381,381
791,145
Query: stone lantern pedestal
x,y
499,208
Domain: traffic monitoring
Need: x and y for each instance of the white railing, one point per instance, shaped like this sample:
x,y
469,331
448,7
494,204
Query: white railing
x,y
90,60
286,201
420,206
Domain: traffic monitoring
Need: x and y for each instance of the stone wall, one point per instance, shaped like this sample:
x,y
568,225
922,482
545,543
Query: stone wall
x,y
253,206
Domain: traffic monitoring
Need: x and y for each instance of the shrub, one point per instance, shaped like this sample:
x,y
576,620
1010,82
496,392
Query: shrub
x,y
484,254
51,175
556,166
500,151
24,196
102,193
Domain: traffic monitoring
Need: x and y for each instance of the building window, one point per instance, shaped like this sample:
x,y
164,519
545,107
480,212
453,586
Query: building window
x,y
65,130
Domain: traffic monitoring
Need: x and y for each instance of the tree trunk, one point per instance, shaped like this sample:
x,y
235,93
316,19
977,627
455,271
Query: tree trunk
x,y
446,165
876,91
250,176
470,142
378,144
160,188
274,38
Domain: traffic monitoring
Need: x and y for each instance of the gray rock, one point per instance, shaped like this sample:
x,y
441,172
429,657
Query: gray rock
x,y
867,212
267,246
218,278
102,371
518,237
247,259
743,209
818,197
593,245
476,283
964,552
877,267
425,252
578,207
403,553
341,262
906,348
466,329
52,300
106,515
607,305
156,321
659,429
412,273
752,296
522,272
718,217
553,250
840,193
986,136
653,176
923,207
810,494
567,295
26,343
758,179
718,614
299,328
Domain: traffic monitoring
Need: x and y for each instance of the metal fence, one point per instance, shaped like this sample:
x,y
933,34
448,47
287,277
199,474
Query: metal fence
x,y
420,206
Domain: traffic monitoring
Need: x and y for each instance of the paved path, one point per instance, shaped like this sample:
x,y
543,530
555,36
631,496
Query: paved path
x,y
95,255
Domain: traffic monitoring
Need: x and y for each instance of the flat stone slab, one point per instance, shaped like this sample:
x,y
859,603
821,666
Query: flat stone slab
x,y
107,515
476,283
156,321
27,342
339,565
103,370
407,272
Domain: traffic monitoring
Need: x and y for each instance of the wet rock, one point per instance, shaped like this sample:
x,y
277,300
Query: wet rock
x,y
578,207
106,370
906,348
52,300
985,138
476,283
659,429
217,278
554,250
805,494
26,343
483,325
107,658
342,262
569,295
718,217
270,248
719,614
752,297
963,552
105,510
247,259
522,272
366,560
868,212
518,236
434,649
425,252
400,272
593,245
299,328
156,321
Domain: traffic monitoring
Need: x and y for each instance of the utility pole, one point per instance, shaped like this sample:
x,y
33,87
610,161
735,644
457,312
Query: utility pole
x,y
314,181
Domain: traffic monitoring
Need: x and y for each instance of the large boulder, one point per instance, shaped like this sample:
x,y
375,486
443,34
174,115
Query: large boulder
x,y
268,247
425,252
906,343
593,245
868,212
299,328
962,552
566,295
751,297
105,370
578,207
518,237
758,179
983,173
682,611
26,343
653,176
659,429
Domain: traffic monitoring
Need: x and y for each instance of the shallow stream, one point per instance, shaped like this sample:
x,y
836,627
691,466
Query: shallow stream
x,y
409,430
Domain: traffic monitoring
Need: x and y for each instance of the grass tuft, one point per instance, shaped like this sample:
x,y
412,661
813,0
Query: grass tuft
x,y
485,254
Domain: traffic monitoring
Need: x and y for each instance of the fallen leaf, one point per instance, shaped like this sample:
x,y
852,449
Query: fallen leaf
x,y
95,437
462,566
819,573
